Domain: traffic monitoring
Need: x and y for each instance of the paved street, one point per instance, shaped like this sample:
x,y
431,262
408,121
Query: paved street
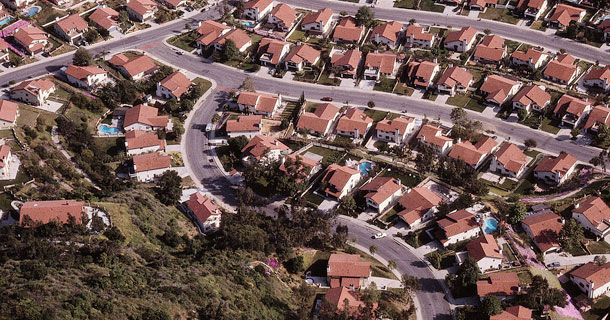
x,y
566,260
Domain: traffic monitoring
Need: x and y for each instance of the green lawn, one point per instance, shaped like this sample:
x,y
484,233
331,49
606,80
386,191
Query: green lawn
x,y
297,35
185,41
550,125
525,277
406,177
403,90
599,247
508,253
113,146
385,85
390,215
376,115
326,80
429,5
499,14
47,14
325,153
599,309
406,4
538,25
27,116
22,177
548,275
205,84
466,101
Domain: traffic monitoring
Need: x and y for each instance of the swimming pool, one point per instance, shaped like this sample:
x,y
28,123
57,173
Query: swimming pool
x,y
5,21
106,129
32,11
364,167
248,24
490,225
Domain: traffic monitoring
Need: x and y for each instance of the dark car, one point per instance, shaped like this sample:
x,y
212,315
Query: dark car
x,y
327,99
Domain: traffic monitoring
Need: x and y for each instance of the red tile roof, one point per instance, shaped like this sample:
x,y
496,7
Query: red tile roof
x,y
305,162
250,123
337,178
596,211
418,33
562,163
146,115
53,210
258,146
497,87
455,76
141,6
399,124
134,65
457,222
302,53
137,139
351,58
534,4
599,114
238,36
511,157
348,265
322,16
72,22
347,30
433,135
210,30
258,4
202,206
470,153
177,83
105,17
562,68
8,110
421,72
82,72
570,104
354,119
532,54
384,61
565,14
499,284
285,14
591,272
151,161
514,313
416,203
485,246
381,188
337,296
29,34
389,30
545,229
532,94
599,74
263,102
34,86
465,34
491,48
319,119
272,47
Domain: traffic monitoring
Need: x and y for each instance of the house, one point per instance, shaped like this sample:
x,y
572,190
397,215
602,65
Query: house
x,y
594,215
148,165
33,213
9,111
145,118
461,40
604,28
319,22
173,4
5,159
346,270
491,50
531,58
241,39
141,10
134,68
418,206
564,15
4,51
204,212
14,4
295,161
481,4
381,192
597,116
379,65
561,70
499,284
454,80
138,142
508,161
320,121
598,78
498,89
555,169
419,37
210,30
105,18
264,148
421,73
544,230
173,86
531,97
259,103
86,77
248,126
396,130
389,34
347,31
71,28
340,180
457,226
283,17
572,111
433,137
485,251
345,64
34,92
343,297
271,51
257,9
514,313
532,9
301,56
474,155
592,279
31,39
354,123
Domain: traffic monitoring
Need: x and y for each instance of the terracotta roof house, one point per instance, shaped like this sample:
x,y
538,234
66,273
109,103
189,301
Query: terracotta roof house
x,y
141,10
457,226
418,206
248,126
498,89
561,70
453,80
300,56
433,137
419,37
486,252
544,230
337,297
283,17
137,142
340,180
565,14
33,213
203,212
532,9
5,160
34,92
148,165
241,39
264,148
604,27
594,215
354,123
481,4
134,68
257,9
598,115
271,51
461,40
319,22
173,4
380,64
71,28
173,86
396,130
105,18
555,170
9,111
592,279
320,121
491,50
508,161
389,33
345,64
295,161
421,74
14,4
346,270
500,284
145,118
87,77
474,155
514,313
4,51
347,31
259,103
531,97
598,78
210,30
31,39
381,192
572,111
531,58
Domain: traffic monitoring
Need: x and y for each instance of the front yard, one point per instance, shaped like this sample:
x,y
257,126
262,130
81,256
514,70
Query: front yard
x,y
468,101
185,41
499,14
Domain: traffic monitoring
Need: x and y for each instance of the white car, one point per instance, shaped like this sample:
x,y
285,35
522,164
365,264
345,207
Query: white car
x,y
380,235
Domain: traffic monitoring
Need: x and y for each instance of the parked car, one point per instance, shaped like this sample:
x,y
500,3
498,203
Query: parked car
x,y
553,264
379,235
327,99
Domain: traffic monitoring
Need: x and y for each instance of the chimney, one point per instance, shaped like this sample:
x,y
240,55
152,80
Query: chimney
x,y
576,205
563,220
435,60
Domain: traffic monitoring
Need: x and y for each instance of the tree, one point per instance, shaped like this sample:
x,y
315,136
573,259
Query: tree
x,y
370,294
169,187
229,51
15,60
373,249
491,305
468,273
371,104
295,265
365,16
92,35
530,143
571,235
522,114
435,260
600,260
574,133
82,57
487,32
216,117
458,115
600,160
517,212
247,85
392,265
348,204
410,284
412,21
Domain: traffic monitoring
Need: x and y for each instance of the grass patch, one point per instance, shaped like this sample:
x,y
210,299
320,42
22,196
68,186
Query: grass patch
x,y
467,101
403,90
406,4
205,84
525,277
27,116
499,14
186,41
385,85
376,115
508,253
21,177
599,247
113,146
81,115
538,25
326,80
407,178
429,5
390,215
548,275
47,14
324,152
599,309
313,198
297,35
550,125
531,153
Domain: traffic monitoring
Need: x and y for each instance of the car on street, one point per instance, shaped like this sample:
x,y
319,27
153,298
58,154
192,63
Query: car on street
x,y
553,264
327,99
379,235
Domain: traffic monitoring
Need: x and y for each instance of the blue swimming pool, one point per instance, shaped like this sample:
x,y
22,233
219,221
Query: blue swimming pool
x,y
5,21
490,225
106,129
32,11
364,167
248,24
